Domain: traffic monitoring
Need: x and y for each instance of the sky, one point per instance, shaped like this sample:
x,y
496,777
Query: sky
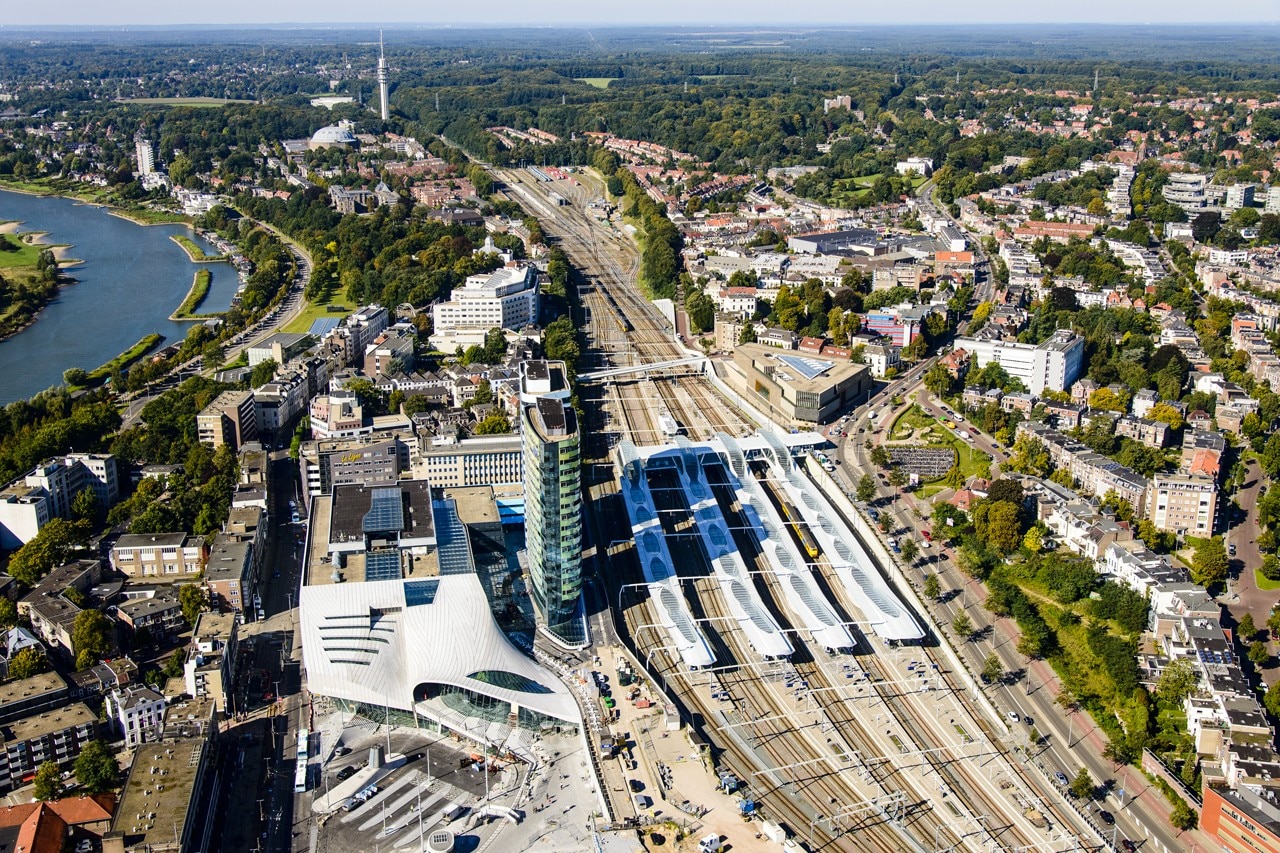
x,y
728,13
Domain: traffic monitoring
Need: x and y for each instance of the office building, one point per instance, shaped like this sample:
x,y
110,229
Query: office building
x,y
48,490
553,498
506,298
367,460
486,460
1053,365
799,390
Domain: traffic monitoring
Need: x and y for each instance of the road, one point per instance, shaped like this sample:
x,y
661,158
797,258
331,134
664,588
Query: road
x,y
279,317
1071,740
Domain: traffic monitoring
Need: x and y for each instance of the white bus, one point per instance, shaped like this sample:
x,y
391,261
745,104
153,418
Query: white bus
x,y
300,769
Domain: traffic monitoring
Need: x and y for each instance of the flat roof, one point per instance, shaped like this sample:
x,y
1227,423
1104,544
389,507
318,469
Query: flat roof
x,y
151,540
38,725
165,791
352,504
30,688
809,368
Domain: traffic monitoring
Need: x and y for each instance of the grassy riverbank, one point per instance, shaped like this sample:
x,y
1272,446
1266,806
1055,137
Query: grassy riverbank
x,y
27,283
199,290
77,379
194,252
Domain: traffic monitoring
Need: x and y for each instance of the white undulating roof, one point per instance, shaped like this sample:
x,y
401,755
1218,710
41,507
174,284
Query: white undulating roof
x,y
375,643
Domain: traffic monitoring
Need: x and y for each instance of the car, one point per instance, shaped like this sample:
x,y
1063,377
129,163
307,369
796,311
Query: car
x,y
1027,720
927,535
342,750
1107,818
1013,716
1061,778
636,786
1231,549
346,773
1128,845
276,573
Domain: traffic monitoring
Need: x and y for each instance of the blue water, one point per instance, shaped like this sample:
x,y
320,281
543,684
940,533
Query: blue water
x,y
133,277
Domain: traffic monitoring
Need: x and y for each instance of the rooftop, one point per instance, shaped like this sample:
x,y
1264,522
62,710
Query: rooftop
x,y
403,509
39,725
26,689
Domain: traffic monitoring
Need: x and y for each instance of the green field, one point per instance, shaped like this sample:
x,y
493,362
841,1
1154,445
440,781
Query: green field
x,y
24,255
315,310
186,102
855,188
598,82
917,429
1264,582
151,216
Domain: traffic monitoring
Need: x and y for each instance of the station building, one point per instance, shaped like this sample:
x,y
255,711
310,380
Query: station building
x,y
799,390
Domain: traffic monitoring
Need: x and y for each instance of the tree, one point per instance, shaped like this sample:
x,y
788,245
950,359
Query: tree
x,y
28,662
897,477
193,600
1029,456
8,613
86,506
880,456
910,550
1273,622
997,525
494,424
1209,565
52,546
1246,629
954,478
262,373
91,637
1082,786
1272,700
96,768
1177,682
48,782
75,376
1182,817
1258,653
866,488
992,669
938,380
963,626
932,588
1166,413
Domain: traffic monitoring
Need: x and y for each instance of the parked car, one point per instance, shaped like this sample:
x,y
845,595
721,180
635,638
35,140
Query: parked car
x,y
342,750
1013,716
1061,778
346,773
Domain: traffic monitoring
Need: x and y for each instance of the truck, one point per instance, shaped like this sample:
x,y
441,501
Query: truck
x,y
710,844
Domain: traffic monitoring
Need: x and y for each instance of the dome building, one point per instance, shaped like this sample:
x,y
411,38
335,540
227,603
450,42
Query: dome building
x,y
330,136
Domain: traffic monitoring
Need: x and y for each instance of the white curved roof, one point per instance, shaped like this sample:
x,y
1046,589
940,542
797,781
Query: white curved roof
x,y
656,563
333,135
375,642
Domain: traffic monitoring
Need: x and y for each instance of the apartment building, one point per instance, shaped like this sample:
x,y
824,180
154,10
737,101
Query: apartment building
x,y
164,557
47,491
506,299
209,670
230,419
1183,504
58,736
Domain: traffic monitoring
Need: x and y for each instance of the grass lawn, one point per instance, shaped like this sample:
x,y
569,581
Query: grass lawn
x,y
856,188
1264,582
598,82
315,310
186,102
24,255
194,252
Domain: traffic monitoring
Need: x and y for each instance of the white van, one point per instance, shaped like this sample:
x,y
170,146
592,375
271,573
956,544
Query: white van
x,y
710,844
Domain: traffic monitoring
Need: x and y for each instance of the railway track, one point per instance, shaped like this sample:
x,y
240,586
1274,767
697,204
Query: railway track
x,y
816,782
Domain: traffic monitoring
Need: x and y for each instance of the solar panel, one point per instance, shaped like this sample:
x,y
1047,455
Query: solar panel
x,y
382,566
323,326
452,546
386,511
809,368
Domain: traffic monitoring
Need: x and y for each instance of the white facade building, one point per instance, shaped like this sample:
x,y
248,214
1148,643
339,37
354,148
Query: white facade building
x,y
138,712
506,298
1054,364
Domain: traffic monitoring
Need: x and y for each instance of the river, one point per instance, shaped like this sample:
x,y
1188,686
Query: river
x,y
133,277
